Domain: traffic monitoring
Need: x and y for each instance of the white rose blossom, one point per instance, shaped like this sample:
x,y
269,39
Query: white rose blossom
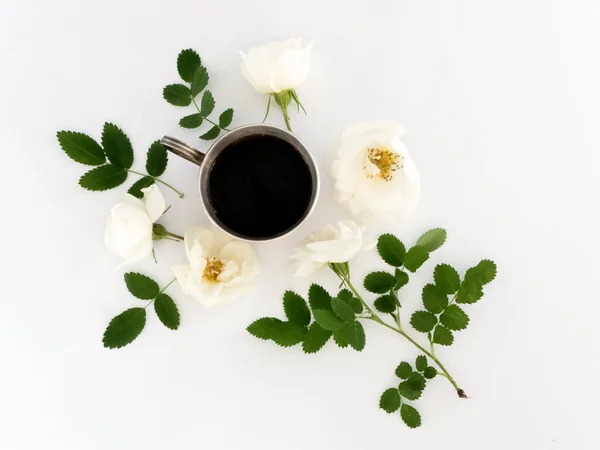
x,y
129,228
277,69
333,244
375,177
220,269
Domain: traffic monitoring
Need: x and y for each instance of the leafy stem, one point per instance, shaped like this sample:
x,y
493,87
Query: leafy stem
x,y
376,318
161,291
156,179
206,118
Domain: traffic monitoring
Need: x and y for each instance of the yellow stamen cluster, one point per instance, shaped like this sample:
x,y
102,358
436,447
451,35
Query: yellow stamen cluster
x,y
386,161
214,267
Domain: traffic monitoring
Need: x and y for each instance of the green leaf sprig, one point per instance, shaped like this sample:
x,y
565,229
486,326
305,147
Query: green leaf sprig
x,y
340,316
113,159
127,326
191,70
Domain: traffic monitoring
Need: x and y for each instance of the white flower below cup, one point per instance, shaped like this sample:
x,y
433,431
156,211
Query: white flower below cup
x,y
333,245
129,228
375,177
220,269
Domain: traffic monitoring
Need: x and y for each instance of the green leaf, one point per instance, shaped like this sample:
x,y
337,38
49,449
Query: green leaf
x,y
415,258
327,319
225,118
103,178
167,312
390,400
188,62
81,148
191,121
403,370
141,286
446,278
401,278
136,188
421,363
412,388
340,338
379,282
208,103
287,334
469,293
423,321
443,336
386,304
429,372
434,299
199,82
124,328
342,309
454,318
211,134
482,273
319,298
296,309
354,333
315,338
156,159
263,328
352,301
391,250
410,416
177,94
433,239
117,146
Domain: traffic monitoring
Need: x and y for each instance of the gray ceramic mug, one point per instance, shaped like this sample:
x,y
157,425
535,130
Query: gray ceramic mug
x,y
207,160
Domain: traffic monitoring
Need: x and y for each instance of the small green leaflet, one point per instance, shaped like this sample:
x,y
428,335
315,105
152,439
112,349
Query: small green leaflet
x,y
482,273
390,400
199,82
446,278
340,338
191,121
296,309
385,304
177,94
442,336
117,146
211,134
319,298
352,301
156,159
412,388
287,334
391,250
188,62
423,321
434,299
342,309
429,372
263,328
225,118
433,239
379,282
415,258
136,188
81,148
167,312
410,416
469,293
454,318
208,103
403,370
141,286
124,328
421,363
315,338
401,278
354,334
103,178
327,319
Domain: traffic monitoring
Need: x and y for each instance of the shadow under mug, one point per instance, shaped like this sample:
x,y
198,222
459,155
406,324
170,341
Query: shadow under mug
x,y
207,162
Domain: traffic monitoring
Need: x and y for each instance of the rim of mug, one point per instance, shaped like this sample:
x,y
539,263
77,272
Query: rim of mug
x,y
305,153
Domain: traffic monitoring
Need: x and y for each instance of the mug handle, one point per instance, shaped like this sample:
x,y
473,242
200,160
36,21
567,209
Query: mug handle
x,y
180,148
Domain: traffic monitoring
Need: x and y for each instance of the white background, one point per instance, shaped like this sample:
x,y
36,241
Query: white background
x,y
500,99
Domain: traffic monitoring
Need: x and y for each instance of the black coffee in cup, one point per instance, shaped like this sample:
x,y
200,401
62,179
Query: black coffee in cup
x,y
260,186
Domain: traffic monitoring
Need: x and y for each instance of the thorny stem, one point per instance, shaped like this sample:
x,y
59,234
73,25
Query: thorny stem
x,y
157,180
206,118
398,330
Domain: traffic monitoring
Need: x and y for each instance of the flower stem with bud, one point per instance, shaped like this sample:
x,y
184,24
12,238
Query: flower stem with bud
x,y
160,232
283,99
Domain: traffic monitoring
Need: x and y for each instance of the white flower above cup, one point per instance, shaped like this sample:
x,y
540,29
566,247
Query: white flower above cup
x,y
375,177
331,245
129,228
277,69
220,269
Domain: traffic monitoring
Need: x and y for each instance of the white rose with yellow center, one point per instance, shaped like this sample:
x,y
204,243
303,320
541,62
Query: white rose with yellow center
x,y
220,269
375,177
